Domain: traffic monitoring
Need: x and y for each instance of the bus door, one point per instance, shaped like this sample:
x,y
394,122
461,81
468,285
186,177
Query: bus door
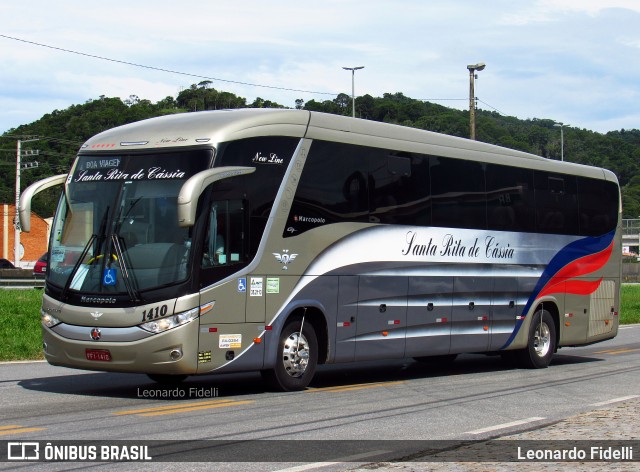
x,y
224,253
382,317
428,316
503,310
470,316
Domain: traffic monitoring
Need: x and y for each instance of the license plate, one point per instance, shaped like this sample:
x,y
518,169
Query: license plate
x,y
102,355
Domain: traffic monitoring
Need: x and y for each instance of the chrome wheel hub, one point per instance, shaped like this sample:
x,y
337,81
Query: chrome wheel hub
x,y
295,355
542,340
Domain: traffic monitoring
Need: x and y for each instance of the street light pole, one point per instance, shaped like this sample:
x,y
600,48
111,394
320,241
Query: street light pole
x,y
353,87
561,125
472,98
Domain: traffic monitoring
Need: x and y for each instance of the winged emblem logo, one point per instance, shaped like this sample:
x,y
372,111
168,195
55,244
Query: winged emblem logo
x,y
96,314
285,258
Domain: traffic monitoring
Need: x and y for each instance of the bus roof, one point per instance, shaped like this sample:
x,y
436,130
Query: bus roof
x,y
213,127
198,128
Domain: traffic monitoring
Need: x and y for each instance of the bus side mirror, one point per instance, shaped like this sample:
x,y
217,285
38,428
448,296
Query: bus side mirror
x,y
194,186
24,207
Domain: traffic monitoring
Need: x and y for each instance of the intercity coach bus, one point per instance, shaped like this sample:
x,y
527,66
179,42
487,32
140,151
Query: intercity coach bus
x,y
277,240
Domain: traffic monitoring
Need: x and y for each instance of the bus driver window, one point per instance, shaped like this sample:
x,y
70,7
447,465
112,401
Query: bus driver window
x,y
225,234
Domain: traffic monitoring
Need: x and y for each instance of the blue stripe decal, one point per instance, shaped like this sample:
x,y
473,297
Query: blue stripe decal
x,y
568,254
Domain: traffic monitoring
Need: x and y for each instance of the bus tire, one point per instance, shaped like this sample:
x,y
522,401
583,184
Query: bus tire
x,y
167,379
541,344
297,358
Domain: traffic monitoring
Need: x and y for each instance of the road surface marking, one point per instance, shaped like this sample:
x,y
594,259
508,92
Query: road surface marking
x,y
618,351
338,461
347,388
615,400
505,425
16,429
185,407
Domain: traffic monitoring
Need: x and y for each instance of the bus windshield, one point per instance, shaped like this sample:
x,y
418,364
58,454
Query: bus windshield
x,y
116,229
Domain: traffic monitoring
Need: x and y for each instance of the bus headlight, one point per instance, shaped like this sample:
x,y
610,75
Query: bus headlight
x,y
48,320
170,322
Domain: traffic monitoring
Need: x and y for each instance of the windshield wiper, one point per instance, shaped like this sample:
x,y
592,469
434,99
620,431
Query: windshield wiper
x,y
129,281
120,220
77,265
85,250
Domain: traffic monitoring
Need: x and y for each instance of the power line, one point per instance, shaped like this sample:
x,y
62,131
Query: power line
x,y
56,154
161,69
44,138
494,108
460,99
441,99
187,74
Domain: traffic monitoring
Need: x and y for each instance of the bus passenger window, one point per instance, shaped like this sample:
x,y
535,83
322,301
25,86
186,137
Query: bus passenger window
x,y
598,204
458,193
556,203
510,203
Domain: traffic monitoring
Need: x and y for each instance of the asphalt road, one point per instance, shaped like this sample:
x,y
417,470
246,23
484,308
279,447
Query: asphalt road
x,y
351,412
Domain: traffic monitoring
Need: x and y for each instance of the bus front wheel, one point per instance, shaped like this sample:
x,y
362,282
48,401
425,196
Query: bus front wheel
x,y
297,358
541,344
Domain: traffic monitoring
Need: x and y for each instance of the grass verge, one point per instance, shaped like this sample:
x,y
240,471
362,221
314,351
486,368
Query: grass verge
x,y
630,304
20,325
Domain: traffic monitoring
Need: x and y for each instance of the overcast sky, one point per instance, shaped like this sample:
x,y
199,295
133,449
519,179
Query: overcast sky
x,y
574,61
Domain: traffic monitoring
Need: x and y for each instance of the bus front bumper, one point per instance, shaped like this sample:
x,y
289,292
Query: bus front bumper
x,y
173,352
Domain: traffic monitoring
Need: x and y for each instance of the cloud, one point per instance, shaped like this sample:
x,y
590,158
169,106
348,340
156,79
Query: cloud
x,y
554,10
548,59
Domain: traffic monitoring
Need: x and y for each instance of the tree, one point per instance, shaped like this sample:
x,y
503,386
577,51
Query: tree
x,y
342,104
132,100
618,151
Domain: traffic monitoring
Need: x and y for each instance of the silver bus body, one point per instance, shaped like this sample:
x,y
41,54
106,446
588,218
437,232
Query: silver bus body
x,y
359,240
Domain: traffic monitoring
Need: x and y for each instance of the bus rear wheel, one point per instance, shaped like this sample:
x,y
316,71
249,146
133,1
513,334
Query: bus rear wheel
x,y
541,344
297,358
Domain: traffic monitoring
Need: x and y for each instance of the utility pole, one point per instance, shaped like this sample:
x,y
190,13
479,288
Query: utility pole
x,y
16,222
472,97
16,218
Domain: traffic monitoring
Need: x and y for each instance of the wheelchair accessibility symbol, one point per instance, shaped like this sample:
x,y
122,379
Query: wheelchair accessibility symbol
x,y
242,284
109,277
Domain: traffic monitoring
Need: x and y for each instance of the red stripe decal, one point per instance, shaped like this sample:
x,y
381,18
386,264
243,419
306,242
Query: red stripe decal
x,y
585,265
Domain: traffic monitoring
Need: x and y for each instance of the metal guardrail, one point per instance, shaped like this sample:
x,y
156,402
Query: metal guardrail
x,y
21,283
19,278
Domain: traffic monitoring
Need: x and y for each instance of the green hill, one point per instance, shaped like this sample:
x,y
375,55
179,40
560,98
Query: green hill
x,y
63,131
